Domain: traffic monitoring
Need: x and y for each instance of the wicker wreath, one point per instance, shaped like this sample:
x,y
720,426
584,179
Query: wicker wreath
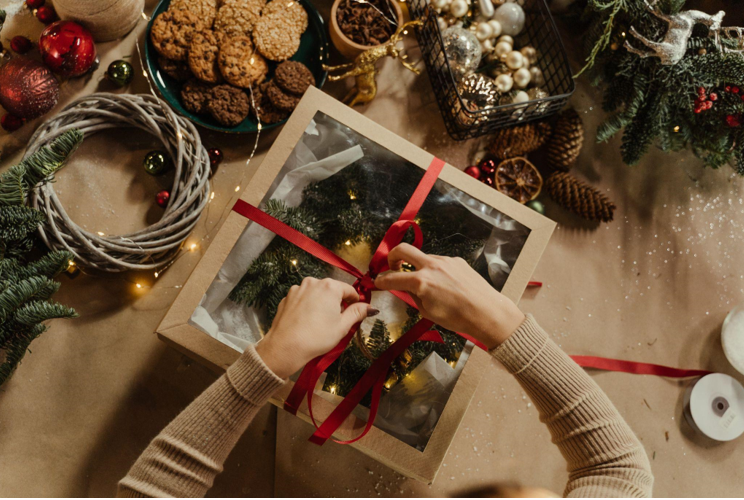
x,y
156,245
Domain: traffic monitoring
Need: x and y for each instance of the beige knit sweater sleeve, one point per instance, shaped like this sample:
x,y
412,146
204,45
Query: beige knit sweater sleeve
x,y
604,457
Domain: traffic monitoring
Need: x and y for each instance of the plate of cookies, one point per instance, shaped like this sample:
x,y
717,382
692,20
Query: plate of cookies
x,y
229,65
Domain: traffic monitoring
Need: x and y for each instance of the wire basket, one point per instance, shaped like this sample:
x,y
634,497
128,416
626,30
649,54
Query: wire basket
x,y
463,123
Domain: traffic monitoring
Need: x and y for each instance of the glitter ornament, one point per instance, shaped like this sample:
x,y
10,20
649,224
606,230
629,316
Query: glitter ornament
x,y
215,157
67,48
27,88
478,91
21,45
156,163
162,198
462,49
536,206
511,17
34,4
473,171
46,14
504,82
11,123
514,60
522,78
120,72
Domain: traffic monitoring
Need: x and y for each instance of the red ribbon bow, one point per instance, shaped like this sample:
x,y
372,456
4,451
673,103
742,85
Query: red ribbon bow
x,y
374,377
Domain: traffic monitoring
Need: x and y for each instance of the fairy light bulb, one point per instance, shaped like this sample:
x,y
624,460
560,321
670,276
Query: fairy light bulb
x,y
347,243
332,389
193,247
294,262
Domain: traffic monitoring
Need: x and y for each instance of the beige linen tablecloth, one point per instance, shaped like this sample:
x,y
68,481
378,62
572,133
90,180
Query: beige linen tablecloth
x,y
652,286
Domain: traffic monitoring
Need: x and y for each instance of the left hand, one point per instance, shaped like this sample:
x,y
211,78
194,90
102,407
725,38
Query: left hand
x,y
309,322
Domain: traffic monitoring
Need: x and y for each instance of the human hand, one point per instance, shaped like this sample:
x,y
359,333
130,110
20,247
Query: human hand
x,y
450,293
309,322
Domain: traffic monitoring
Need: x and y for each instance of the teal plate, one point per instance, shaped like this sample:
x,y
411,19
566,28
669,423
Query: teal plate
x,y
312,52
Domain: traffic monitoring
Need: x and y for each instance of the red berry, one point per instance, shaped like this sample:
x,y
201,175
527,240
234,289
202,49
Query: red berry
x,y
162,198
708,104
11,123
473,171
34,4
701,90
733,120
46,14
742,97
735,90
713,96
727,88
698,109
21,44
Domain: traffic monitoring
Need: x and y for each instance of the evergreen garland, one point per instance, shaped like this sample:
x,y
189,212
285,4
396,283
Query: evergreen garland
x,y
655,104
357,206
26,287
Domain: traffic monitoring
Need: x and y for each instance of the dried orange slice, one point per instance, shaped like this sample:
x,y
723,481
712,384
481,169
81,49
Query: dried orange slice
x,y
518,179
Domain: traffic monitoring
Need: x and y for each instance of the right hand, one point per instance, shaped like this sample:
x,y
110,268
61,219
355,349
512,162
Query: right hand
x,y
450,293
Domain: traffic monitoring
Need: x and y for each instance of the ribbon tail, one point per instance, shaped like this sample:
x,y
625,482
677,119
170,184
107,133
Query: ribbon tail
x,y
619,365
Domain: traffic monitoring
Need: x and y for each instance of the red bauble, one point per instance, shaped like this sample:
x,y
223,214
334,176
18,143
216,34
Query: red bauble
x,y
488,167
67,48
21,44
733,121
473,171
489,181
46,14
11,123
215,157
27,88
162,198
34,4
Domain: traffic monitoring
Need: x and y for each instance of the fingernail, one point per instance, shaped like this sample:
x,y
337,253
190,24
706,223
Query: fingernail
x,y
372,311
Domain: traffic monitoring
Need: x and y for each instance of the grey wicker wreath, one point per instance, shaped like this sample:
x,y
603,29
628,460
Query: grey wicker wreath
x,y
155,246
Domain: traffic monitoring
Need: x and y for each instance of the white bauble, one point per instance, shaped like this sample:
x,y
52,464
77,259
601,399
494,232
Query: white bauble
x,y
504,82
486,8
458,8
537,77
486,46
495,26
522,78
502,49
521,97
511,17
507,39
514,59
484,31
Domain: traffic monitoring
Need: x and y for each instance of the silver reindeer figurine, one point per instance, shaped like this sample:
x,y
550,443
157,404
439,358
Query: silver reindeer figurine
x,y
672,48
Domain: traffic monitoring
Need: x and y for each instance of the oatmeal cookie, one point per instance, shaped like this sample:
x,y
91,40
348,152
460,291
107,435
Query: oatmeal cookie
x,y
178,70
240,64
238,17
293,77
172,31
195,95
228,105
206,10
275,38
203,51
292,10
283,101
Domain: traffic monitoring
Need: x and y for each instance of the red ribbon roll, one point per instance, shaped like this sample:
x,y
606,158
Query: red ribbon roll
x,y
374,377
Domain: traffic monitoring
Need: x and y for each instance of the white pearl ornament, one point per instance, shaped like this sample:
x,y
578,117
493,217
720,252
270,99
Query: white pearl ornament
x,y
484,31
511,17
537,77
529,53
502,49
514,59
522,78
495,26
458,8
507,39
486,46
504,82
440,4
521,97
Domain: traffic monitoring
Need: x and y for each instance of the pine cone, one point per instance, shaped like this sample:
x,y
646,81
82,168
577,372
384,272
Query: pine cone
x,y
578,197
518,141
565,144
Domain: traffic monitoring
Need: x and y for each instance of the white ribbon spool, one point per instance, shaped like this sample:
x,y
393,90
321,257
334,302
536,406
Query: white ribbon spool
x,y
714,406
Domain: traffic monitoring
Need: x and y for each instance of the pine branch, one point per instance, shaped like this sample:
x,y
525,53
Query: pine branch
x,y
37,312
13,188
49,159
14,295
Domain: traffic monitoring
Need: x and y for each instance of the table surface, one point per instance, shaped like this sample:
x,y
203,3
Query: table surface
x,y
654,286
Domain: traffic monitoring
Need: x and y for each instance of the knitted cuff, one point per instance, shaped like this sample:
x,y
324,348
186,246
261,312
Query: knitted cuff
x,y
523,346
253,380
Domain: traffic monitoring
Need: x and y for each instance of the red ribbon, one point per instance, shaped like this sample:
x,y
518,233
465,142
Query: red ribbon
x,y
374,377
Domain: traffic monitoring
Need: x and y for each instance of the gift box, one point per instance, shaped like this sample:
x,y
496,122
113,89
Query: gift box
x,y
333,187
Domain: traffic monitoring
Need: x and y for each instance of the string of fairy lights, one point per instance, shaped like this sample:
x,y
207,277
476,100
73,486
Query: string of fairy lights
x,y
73,269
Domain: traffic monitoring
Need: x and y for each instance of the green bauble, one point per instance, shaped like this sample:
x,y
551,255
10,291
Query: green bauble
x,y
120,72
157,163
536,206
